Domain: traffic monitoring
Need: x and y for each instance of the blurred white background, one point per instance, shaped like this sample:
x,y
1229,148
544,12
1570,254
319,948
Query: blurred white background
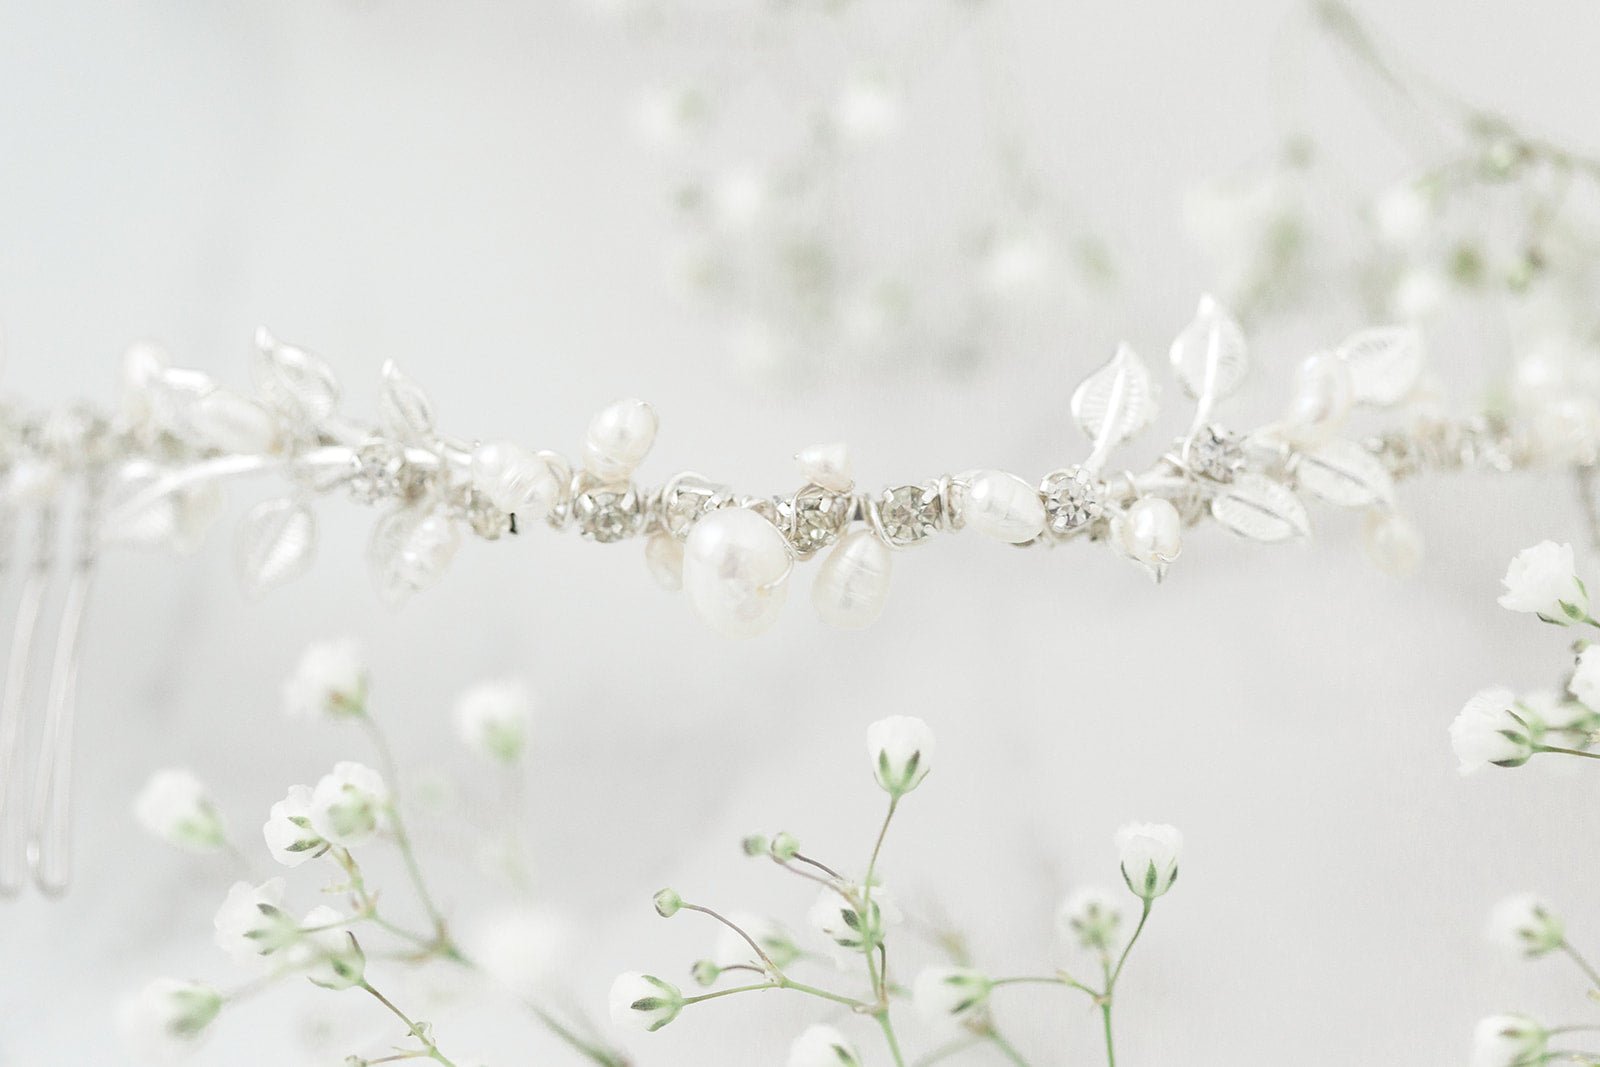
x,y
464,188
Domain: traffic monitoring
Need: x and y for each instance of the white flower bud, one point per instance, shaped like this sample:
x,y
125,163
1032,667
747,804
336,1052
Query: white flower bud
x,y
1543,580
775,940
705,972
252,923
823,1046
350,804
838,920
667,902
493,719
327,951
288,831
175,806
942,994
1149,855
644,1002
784,846
901,748
166,1018
1524,923
1090,917
330,679
1486,731
1507,1041
1585,683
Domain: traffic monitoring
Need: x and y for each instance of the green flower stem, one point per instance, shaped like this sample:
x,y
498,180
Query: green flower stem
x,y
1567,751
1583,964
1111,975
819,865
870,929
953,1048
429,1049
889,1038
391,774
1137,930
1048,979
1005,1047
598,1054
780,982
736,928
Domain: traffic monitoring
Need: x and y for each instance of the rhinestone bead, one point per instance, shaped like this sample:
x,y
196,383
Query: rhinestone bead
x,y
486,520
686,498
1072,500
814,519
607,515
909,513
1214,453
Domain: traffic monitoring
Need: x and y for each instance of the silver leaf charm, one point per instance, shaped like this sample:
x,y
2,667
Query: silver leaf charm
x,y
1384,363
1210,355
1260,509
297,384
275,544
1114,403
409,552
1342,473
404,408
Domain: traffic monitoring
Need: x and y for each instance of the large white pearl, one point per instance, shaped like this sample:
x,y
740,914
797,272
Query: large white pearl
x,y
853,582
1151,531
1322,396
663,554
1003,506
1393,542
514,479
827,466
618,440
735,571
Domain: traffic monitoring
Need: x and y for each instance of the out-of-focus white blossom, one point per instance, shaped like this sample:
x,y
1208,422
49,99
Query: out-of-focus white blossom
x,y
1149,855
866,108
823,1046
1419,293
1090,917
643,1001
251,924
836,919
669,118
330,679
493,719
1507,1041
350,804
943,994
901,748
1524,923
523,949
1486,731
167,1018
327,951
1401,214
776,941
175,806
1586,678
1549,709
288,831
1543,580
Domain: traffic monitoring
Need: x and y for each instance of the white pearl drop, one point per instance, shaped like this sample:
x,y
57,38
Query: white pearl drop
x,y
1393,542
827,466
1151,531
735,571
618,440
233,423
1003,506
663,554
1322,395
852,584
514,479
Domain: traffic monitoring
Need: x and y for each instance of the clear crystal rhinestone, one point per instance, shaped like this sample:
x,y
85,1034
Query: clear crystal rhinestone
x,y
486,520
814,519
909,513
377,472
1215,453
685,499
607,515
1072,499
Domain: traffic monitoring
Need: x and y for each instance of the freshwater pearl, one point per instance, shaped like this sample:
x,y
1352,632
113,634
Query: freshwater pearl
x,y
1003,506
827,466
514,479
1150,532
853,582
1393,542
735,571
1322,394
618,440
234,423
663,554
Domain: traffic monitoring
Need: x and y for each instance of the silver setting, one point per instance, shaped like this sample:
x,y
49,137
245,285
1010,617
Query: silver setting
x,y
1073,498
813,518
909,514
608,513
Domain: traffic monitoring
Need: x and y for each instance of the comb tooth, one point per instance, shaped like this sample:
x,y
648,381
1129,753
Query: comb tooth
x,y
13,709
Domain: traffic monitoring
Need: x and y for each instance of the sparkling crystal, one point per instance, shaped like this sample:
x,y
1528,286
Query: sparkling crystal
x,y
607,514
377,472
1215,454
909,513
814,519
486,520
1072,499
685,499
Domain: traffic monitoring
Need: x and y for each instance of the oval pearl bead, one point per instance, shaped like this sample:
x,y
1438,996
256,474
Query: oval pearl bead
x,y
514,479
663,554
735,571
1393,543
1322,395
1151,531
852,584
1003,506
827,466
618,440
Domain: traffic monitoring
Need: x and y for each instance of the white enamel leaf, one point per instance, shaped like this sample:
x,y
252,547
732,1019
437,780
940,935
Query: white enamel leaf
x,y
1342,473
275,545
402,405
1116,401
409,552
1260,509
1384,363
294,382
1210,355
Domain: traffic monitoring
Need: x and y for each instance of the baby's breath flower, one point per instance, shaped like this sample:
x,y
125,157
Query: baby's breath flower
x,y
350,804
785,846
1586,678
1487,731
901,748
704,972
330,679
754,845
1507,1041
942,994
823,1046
1149,855
1543,580
838,920
166,1018
493,719
774,939
667,902
644,1002
252,924
1547,709
1091,917
288,831
1525,923
175,806
327,951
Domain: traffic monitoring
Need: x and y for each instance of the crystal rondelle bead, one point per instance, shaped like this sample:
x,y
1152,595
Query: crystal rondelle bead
x,y
1215,453
1072,500
686,498
909,513
486,520
607,515
814,519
